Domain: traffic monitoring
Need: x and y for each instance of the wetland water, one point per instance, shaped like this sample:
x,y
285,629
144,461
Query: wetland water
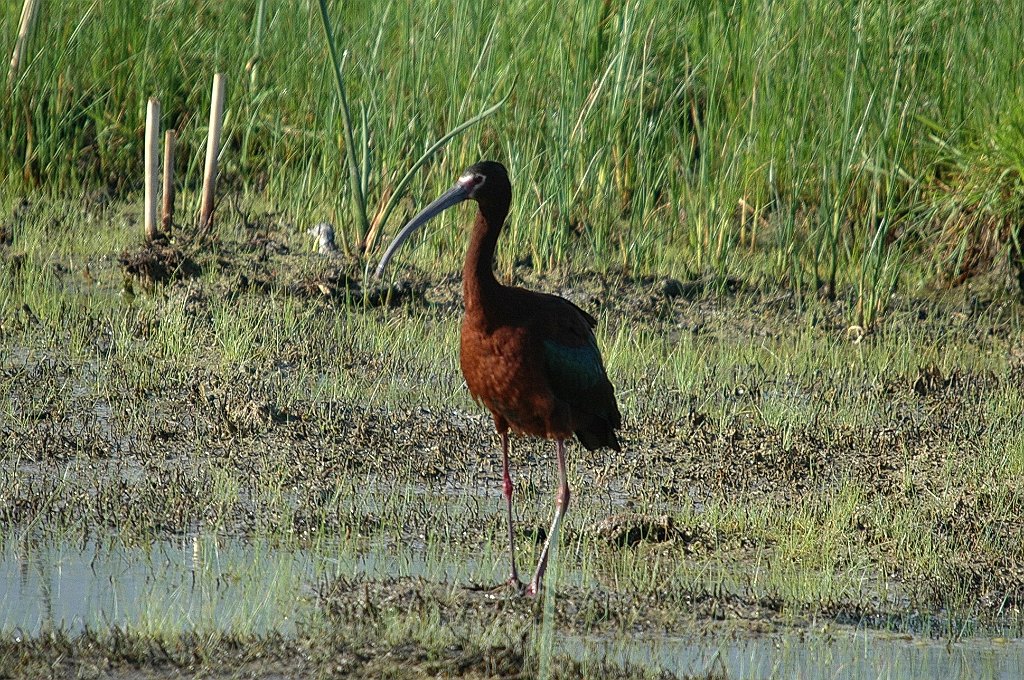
x,y
206,582
842,654
194,582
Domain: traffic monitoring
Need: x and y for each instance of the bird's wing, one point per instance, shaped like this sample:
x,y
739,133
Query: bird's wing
x,y
591,321
571,356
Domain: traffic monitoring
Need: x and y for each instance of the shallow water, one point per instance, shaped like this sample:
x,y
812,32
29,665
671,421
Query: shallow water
x,y
195,582
846,654
209,582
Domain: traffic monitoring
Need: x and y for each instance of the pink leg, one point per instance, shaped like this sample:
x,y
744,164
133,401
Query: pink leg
x,y
507,479
561,505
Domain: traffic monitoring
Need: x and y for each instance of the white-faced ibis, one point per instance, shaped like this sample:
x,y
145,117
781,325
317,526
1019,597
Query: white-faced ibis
x,y
530,358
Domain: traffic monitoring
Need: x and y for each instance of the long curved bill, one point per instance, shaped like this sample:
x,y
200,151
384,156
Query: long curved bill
x,y
453,196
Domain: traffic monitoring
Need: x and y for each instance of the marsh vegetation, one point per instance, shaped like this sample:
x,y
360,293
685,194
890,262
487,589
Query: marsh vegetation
x,y
797,226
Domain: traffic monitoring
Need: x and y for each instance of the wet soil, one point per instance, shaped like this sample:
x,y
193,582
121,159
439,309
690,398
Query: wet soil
x,y
123,656
154,454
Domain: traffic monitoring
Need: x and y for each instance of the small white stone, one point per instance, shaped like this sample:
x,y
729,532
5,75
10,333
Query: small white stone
x,y
324,233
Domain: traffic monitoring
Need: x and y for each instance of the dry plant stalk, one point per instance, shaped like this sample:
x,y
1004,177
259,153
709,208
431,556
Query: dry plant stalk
x,y
167,214
28,13
152,168
212,146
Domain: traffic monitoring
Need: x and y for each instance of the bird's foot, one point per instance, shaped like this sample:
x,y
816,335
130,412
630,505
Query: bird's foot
x,y
513,582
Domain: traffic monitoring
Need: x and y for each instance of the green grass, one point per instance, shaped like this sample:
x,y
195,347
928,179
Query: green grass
x,y
877,145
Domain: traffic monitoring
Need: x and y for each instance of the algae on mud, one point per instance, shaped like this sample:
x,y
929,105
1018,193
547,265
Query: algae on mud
x,y
809,479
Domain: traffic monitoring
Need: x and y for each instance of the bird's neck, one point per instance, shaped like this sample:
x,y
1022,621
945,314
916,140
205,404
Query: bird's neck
x,y
478,282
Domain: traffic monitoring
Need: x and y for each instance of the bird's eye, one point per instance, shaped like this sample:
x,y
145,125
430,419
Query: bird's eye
x,y
472,181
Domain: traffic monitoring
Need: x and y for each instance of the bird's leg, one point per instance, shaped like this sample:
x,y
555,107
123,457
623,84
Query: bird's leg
x,y
507,479
561,505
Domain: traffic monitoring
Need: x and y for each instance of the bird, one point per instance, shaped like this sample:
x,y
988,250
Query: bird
x,y
530,358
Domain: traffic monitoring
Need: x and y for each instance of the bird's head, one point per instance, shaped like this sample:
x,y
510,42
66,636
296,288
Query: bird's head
x,y
485,182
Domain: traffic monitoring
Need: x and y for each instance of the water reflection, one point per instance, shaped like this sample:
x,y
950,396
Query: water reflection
x,y
208,582
198,581
843,654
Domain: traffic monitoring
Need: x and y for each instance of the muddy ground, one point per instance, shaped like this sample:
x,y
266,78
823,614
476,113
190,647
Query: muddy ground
x,y
155,455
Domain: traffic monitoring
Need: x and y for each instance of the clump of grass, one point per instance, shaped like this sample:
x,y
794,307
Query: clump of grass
x,y
978,199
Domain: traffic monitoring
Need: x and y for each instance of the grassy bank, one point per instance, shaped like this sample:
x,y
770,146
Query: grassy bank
x,y
853,149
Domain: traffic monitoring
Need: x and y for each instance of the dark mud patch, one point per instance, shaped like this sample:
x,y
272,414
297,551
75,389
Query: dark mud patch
x,y
629,529
159,262
338,286
259,256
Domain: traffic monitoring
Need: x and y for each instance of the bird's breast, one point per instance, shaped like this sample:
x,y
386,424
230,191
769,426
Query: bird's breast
x,y
503,371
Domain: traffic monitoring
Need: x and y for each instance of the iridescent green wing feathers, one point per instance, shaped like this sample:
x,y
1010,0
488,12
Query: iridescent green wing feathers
x,y
572,371
571,356
575,373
